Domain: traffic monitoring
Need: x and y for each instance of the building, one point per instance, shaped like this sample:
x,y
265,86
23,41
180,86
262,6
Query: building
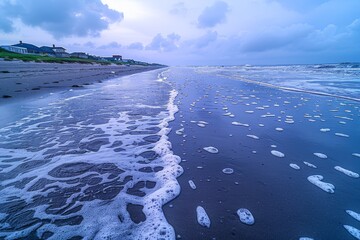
x,y
117,58
15,49
29,47
60,51
47,51
79,55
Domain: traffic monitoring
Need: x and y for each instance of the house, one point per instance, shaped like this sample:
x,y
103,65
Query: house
x,y
29,47
15,49
47,51
79,55
60,51
117,58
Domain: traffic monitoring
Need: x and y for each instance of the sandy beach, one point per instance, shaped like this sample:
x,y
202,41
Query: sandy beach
x,y
23,79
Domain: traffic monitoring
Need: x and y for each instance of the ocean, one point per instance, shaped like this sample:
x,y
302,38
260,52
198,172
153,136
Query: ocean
x,y
176,153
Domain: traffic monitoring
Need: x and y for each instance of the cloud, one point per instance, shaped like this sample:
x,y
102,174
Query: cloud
x,y
59,18
179,9
164,44
203,41
274,37
110,45
213,15
136,46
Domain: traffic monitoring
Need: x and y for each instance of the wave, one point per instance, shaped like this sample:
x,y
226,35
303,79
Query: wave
x,y
100,173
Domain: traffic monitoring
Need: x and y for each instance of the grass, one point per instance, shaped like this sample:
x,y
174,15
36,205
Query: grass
x,y
10,56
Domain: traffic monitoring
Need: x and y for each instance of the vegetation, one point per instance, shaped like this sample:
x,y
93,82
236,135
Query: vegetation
x,y
9,56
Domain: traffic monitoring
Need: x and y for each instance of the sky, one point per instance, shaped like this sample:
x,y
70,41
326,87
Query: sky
x,y
191,32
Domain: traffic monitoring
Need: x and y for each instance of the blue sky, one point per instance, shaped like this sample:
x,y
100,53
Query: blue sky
x,y
201,32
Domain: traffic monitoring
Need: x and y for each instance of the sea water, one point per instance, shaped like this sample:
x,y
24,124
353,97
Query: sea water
x,y
291,136
90,164
101,162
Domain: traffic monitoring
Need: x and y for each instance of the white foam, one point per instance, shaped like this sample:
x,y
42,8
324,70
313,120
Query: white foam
x,y
310,164
192,184
277,153
353,231
354,214
245,216
252,136
347,172
320,155
180,131
201,125
356,155
211,149
279,129
341,135
240,124
294,166
316,180
325,130
202,217
228,170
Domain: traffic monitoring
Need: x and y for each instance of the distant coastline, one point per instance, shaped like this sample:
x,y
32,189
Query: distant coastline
x,y
19,80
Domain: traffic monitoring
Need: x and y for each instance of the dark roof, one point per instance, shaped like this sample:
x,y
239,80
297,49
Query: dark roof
x,y
79,53
28,46
46,49
58,48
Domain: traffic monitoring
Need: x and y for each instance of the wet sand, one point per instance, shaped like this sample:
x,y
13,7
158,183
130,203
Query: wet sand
x,y
21,79
284,203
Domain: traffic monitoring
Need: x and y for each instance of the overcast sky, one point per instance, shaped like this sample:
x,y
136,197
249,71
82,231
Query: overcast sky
x,y
191,32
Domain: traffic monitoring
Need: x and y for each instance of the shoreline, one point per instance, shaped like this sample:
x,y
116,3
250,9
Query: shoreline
x,y
21,80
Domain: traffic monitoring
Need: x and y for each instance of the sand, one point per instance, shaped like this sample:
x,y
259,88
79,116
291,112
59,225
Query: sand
x,y
20,80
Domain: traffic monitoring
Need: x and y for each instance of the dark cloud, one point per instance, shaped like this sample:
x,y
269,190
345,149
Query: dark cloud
x,y
59,18
164,44
111,45
213,15
179,9
136,46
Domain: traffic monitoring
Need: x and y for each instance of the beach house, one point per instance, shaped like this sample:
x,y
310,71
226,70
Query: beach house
x,y
79,55
15,49
60,51
29,47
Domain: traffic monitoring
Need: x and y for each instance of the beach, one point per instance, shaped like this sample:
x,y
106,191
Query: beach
x,y
258,132
23,79
175,153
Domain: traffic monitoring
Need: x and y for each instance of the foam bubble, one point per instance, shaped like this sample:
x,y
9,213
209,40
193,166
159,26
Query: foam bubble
x,y
354,214
347,172
277,153
202,217
228,170
316,180
353,231
279,129
325,130
211,149
240,124
310,164
180,131
192,184
252,136
294,166
245,216
356,155
320,155
341,135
